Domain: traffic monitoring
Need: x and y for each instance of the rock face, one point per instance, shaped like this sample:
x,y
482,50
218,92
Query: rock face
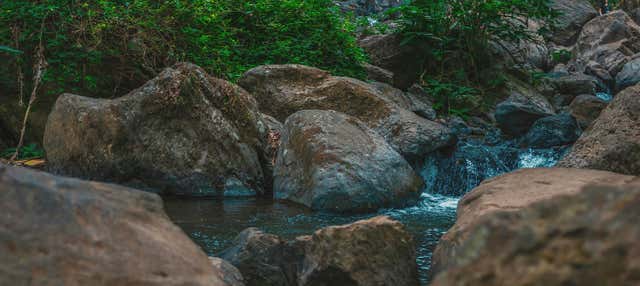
x,y
608,40
377,251
332,161
557,130
573,15
388,52
183,132
586,108
413,100
564,89
512,192
629,75
60,231
282,90
585,239
613,141
524,106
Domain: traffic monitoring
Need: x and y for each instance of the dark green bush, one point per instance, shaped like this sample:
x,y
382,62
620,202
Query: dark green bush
x,y
457,34
107,47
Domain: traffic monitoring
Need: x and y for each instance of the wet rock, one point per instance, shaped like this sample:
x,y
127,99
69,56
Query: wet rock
x,y
283,90
524,106
377,251
61,231
509,193
588,238
183,132
388,52
265,259
332,161
573,15
629,75
586,108
556,130
608,40
613,141
416,102
602,74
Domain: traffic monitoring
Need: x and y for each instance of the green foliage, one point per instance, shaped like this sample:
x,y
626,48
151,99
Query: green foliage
x,y
9,50
452,98
561,56
456,36
31,151
107,47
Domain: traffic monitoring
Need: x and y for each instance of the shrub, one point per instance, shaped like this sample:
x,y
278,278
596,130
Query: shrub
x,y
107,47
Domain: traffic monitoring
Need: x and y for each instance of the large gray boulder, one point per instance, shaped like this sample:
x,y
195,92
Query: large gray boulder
x,y
282,90
372,252
609,40
521,109
183,132
586,238
510,193
334,162
573,15
551,131
612,143
61,231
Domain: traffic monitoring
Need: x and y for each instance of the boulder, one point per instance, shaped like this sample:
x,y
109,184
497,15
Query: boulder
x,y
608,40
589,238
265,259
551,131
565,88
389,52
229,273
635,15
602,74
413,100
183,132
586,108
282,90
629,75
630,5
521,109
377,251
573,15
334,162
613,141
62,231
509,193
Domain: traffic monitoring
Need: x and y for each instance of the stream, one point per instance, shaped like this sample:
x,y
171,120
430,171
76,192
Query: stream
x,y
214,223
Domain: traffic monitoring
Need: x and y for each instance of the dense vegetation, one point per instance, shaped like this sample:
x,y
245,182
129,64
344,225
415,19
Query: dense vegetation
x,y
457,35
106,47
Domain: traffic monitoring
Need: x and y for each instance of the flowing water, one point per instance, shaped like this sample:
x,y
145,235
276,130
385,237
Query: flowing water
x,y
213,224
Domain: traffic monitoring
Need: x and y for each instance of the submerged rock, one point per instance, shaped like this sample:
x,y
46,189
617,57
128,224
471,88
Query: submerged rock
x,y
376,251
283,90
183,132
613,141
61,231
585,238
332,161
512,192
557,130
